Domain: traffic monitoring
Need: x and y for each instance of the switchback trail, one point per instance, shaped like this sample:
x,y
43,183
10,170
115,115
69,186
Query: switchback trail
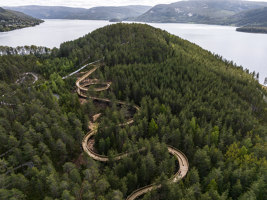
x,y
22,79
88,143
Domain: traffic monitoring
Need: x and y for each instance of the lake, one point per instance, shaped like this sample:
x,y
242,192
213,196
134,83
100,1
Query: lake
x,y
51,33
246,49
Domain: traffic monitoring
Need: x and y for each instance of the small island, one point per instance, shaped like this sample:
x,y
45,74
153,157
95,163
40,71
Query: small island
x,y
251,29
11,20
115,20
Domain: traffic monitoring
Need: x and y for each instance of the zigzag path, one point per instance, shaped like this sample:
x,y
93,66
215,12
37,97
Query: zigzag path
x,y
82,84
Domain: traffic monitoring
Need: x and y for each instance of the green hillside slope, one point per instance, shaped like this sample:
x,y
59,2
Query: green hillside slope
x,y
208,108
11,20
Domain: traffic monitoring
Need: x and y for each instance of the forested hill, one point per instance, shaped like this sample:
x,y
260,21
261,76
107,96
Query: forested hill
x,y
11,20
210,109
95,13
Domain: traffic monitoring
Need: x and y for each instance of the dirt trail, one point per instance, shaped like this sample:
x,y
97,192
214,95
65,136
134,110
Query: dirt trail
x,y
88,143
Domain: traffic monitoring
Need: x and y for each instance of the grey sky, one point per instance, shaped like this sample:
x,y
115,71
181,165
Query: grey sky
x,y
86,3
83,3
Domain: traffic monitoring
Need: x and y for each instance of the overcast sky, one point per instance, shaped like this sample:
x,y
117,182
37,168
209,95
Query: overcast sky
x,y
83,3
86,3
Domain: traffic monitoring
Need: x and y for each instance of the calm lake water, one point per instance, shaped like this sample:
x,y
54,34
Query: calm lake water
x,y
246,49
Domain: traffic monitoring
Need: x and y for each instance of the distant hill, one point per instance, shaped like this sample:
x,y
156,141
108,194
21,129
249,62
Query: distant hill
x,y
11,20
255,17
96,13
198,11
252,21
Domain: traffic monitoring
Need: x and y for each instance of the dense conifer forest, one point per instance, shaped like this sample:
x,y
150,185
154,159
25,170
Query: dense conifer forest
x,y
209,108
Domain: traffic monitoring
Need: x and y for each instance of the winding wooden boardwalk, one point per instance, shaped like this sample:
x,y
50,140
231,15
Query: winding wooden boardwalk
x,y
88,143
